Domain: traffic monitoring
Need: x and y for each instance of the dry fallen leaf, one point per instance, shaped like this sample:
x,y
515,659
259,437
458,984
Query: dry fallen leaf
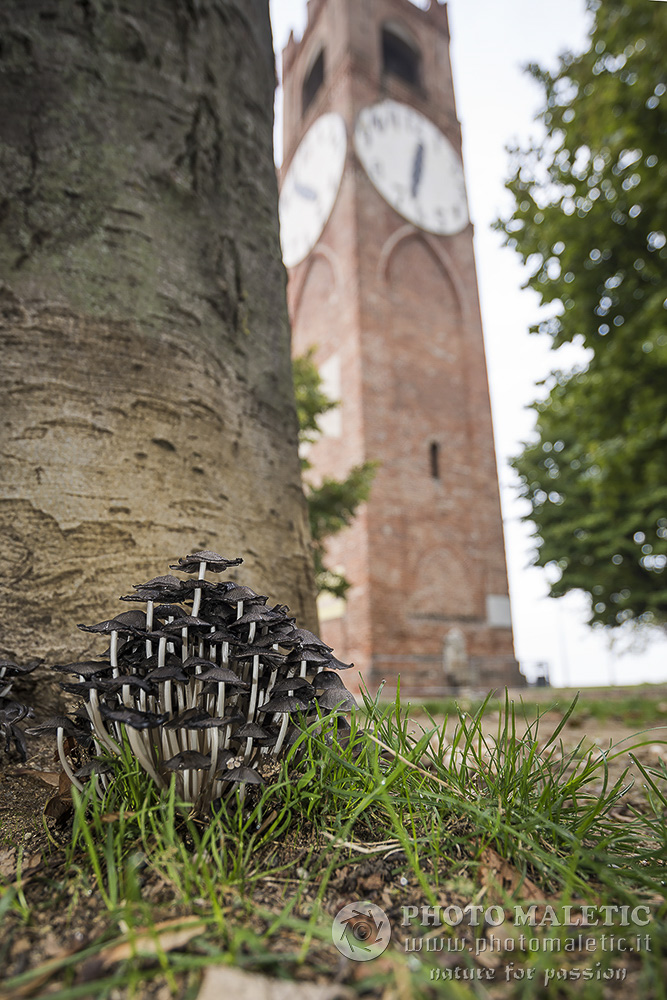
x,y
9,866
166,936
8,862
223,980
50,778
503,880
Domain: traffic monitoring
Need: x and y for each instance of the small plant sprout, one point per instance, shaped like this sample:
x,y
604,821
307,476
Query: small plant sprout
x,y
203,688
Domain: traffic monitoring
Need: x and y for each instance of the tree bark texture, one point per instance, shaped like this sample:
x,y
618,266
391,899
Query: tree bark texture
x,y
146,403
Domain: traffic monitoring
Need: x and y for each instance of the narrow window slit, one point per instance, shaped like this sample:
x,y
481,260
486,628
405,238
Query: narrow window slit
x,y
434,455
313,82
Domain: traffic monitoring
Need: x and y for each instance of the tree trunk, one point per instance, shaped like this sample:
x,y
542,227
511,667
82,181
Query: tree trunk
x,y
145,385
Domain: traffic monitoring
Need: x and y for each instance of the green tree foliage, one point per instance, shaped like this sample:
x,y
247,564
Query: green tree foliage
x,y
590,222
333,503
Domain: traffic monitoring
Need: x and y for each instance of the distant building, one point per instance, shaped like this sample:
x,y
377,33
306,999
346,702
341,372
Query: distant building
x,y
378,244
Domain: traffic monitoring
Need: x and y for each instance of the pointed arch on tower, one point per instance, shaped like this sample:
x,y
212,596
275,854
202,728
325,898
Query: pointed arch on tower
x,y
439,254
321,256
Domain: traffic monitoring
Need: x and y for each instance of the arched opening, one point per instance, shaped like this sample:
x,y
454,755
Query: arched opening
x,y
313,81
400,55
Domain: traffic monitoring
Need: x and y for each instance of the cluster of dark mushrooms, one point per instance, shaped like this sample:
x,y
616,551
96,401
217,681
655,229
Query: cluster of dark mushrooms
x,y
208,687
12,712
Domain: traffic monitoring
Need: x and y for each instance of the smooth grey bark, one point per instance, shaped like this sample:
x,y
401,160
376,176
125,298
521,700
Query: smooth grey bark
x,y
146,403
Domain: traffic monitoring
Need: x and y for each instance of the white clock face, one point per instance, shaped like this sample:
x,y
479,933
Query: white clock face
x,y
413,166
310,187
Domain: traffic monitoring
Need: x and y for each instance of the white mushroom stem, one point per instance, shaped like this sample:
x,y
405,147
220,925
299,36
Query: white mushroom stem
x,y
248,750
224,656
150,605
281,735
162,651
64,761
180,694
184,644
215,747
302,671
142,756
251,631
93,709
255,684
172,739
220,705
239,609
113,652
196,601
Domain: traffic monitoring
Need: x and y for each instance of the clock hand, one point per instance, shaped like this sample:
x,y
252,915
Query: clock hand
x,y
305,192
417,169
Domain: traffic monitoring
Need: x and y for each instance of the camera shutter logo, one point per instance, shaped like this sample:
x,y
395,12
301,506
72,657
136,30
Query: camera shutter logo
x,y
361,931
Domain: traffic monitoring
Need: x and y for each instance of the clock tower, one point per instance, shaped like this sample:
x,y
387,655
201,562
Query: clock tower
x,y
382,285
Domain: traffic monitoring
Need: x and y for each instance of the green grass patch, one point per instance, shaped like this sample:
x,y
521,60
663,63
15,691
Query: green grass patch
x,y
395,813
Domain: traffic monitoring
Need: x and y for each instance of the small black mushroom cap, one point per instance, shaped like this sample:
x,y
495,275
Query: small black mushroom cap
x,y
197,661
186,621
164,611
82,688
188,760
270,739
86,668
11,668
94,767
214,561
333,697
251,731
12,712
245,594
127,623
233,719
169,672
255,613
300,653
152,661
282,703
243,774
12,734
216,722
335,664
270,658
54,723
185,719
309,640
300,684
221,635
325,659
274,635
161,583
326,679
132,717
113,684
223,675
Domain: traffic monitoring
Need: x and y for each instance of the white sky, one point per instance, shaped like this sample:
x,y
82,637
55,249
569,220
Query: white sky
x,y
496,103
